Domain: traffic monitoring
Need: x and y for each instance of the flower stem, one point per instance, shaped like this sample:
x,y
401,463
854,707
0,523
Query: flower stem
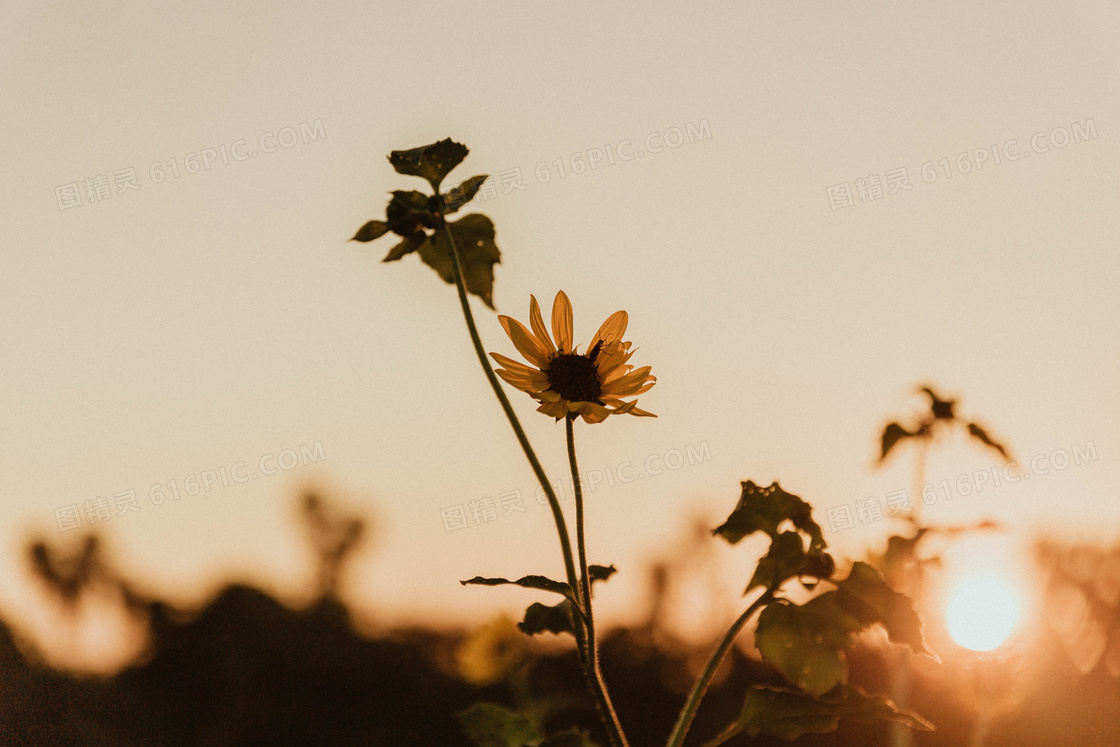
x,y
599,686
676,739
554,504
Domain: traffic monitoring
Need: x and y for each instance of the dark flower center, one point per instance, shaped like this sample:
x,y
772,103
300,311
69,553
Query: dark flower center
x,y
575,377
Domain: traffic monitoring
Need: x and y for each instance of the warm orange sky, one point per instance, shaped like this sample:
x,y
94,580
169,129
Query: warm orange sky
x,y
220,317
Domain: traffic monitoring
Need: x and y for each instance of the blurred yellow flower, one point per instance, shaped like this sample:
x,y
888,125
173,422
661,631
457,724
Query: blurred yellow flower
x,y
490,652
566,382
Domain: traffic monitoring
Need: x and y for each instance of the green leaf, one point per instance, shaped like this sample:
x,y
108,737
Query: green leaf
x,y
892,434
806,642
789,715
409,245
764,510
570,738
541,618
462,194
527,582
474,236
866,595
431,162
375,229
492,725
786,559
979,433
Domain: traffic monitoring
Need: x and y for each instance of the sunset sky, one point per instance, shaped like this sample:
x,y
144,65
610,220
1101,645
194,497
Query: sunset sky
x,y
787,281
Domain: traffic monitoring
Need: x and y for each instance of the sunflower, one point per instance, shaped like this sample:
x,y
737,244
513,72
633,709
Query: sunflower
x,y
568,383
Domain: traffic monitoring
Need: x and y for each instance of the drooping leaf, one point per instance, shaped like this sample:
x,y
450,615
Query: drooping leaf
x,y
492,725
406,246
866,596
764,510
789,715
557,618
892,434
431,162
806,643
542,618
474,236
527,582
787,558
464,193
977,432
375,229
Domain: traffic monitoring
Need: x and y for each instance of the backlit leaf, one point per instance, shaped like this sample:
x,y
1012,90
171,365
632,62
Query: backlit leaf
x,y
806,643
865,595
789,715
492,725
474,236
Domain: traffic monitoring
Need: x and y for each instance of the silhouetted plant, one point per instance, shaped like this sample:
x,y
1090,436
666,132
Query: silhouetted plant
x,y
806,643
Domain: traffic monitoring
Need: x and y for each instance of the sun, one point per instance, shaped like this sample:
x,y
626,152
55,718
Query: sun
x,y
984,609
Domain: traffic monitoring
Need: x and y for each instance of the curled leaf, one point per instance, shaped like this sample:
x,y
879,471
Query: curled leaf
x,y
787,558
464,193
764,510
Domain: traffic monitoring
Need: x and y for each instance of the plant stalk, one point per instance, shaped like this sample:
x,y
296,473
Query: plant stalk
x,y
599,685
553,502
676,739
580,620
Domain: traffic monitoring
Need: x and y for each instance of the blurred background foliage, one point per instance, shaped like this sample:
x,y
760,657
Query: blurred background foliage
x,y
246,669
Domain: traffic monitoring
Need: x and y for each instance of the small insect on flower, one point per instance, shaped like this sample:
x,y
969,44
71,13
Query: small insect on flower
x,y
568,383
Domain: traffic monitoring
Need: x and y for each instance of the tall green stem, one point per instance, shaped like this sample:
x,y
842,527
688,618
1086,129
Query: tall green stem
x,y
610,718
554,504
580,627
676,739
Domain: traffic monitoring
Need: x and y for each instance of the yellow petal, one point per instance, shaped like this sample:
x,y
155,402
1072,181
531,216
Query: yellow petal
x,y
526,344
555,409
537,322
512,365
594,413
612,329
562,322
515,381
632,381
641,413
